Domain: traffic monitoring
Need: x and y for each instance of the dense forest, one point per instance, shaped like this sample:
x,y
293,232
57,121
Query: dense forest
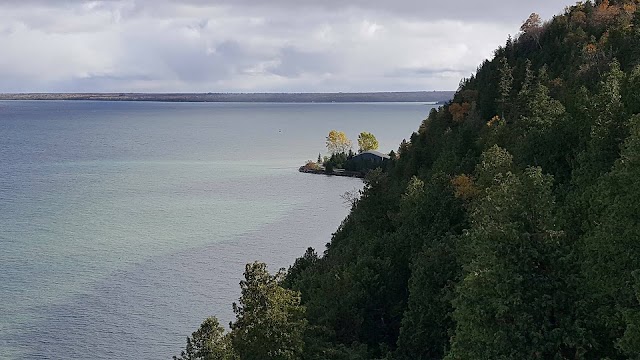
x,y
507,227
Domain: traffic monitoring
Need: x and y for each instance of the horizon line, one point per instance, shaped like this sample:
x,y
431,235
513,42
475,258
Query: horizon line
x,y
214,93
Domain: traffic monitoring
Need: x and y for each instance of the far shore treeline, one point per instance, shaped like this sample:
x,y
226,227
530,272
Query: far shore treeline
x,y
399,96
506,227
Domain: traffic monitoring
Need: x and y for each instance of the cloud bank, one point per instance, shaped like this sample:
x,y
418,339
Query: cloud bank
x,y
251,45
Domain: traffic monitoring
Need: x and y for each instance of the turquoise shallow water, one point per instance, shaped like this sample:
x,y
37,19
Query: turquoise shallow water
x,y
123,225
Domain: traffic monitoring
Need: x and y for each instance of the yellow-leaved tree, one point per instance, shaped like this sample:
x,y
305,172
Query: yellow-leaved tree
x,y
337,142
366,142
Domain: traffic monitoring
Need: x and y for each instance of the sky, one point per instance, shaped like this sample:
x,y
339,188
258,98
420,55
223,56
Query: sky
x,y
252,45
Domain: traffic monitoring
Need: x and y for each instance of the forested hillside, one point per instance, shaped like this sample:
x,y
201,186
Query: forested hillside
x,y
507,227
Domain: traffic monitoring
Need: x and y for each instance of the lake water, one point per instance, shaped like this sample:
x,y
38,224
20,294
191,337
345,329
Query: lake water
x,y
124,225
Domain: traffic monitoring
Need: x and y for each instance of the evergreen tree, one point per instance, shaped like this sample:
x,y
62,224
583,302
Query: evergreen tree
x,y
505,85
209,342
612,248
269,318
514,301
607,130
430,216
539,138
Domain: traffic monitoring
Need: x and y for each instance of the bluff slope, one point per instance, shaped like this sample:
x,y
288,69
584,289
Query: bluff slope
x,y
506,228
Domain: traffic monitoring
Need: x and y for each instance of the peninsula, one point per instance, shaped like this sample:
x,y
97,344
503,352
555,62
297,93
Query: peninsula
x,y
344,162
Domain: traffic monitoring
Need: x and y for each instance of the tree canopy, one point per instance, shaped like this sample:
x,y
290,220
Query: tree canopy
x,y
337,142
366,142
208,343
269,324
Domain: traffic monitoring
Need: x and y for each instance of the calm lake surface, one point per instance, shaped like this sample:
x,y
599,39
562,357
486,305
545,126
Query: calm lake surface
x,y
124,225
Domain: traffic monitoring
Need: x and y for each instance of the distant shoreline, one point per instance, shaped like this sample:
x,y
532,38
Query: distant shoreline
x,y
434,97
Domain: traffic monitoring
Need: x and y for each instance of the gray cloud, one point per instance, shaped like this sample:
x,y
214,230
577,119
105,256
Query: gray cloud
x,y
487,10
494,11
251,45
293,62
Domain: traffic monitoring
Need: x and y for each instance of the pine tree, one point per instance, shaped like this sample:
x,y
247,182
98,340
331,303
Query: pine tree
x,y
514,301
270,321
611,249
209,342
505,85
607,131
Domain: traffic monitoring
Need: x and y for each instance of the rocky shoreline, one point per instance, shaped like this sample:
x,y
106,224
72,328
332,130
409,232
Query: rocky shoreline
x,y
336,172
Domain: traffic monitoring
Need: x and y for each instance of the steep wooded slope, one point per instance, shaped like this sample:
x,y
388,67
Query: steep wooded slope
x,y
507,227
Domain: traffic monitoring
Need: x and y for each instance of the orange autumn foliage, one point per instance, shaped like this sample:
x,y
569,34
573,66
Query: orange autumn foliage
x,y
459,111
579,18
494,121
605,13
590,49
463,187
629,8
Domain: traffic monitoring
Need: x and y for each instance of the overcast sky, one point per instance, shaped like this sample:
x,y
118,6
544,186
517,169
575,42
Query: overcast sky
x,y
252,45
